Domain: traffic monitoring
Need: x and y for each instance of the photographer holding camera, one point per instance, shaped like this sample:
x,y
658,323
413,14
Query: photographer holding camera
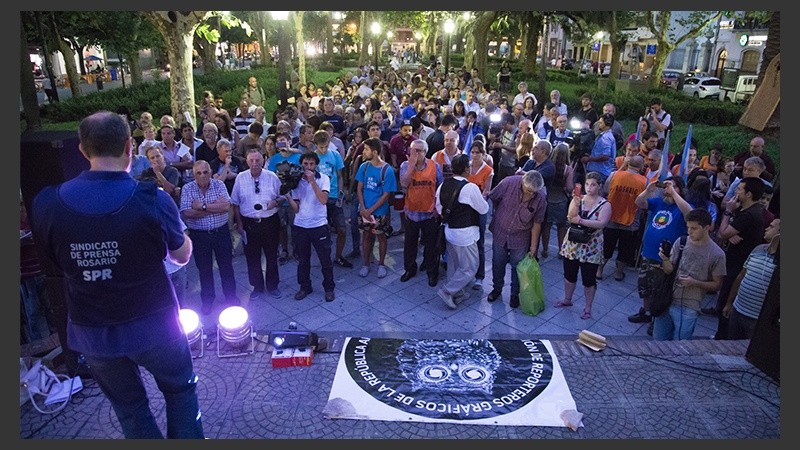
x,y
285,153
659,120
666,221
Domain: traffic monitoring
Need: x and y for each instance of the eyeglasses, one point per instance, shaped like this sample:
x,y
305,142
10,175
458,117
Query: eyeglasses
x,y
258,190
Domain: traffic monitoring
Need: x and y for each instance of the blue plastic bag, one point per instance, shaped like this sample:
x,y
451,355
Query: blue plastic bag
x,y
531,287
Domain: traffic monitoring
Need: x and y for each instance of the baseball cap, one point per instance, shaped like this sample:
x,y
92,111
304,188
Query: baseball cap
x,y
406,122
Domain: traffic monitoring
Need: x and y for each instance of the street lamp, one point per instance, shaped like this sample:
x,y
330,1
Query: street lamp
x,y
281,17
417,44
449,27
376,32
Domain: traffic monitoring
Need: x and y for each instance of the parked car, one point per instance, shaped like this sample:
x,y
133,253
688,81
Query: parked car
x,y
702,87
669,78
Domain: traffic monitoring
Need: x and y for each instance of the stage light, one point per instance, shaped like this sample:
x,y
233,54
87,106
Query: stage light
x,y
236,329
190,322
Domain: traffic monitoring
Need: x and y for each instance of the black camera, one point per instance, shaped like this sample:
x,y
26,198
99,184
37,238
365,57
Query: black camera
x,y
666,247
289,174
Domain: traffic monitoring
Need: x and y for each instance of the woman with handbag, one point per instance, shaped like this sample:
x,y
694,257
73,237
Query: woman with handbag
x,y
582,248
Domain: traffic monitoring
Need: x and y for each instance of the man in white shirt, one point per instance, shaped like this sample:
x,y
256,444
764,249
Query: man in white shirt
x,y
461,229
523,93
308,202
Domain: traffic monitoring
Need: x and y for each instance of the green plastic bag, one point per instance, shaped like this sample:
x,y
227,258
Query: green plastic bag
x,y
531,288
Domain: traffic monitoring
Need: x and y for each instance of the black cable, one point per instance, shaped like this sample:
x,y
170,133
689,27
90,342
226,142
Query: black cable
x,y
700,371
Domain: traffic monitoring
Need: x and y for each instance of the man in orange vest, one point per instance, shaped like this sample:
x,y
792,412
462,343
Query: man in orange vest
x,y
623,186
420,177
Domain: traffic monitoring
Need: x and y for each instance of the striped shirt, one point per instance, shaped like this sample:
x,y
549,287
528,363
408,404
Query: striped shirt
x,y
759,267
191,191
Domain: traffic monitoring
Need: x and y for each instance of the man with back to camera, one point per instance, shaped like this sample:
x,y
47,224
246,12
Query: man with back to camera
x,y
123,313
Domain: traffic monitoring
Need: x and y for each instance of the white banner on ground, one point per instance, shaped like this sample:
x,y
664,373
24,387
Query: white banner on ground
x,y
465,381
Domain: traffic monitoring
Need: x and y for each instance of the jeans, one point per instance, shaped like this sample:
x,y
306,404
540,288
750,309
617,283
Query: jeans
x,y
320,238
170,363
677,324
501,256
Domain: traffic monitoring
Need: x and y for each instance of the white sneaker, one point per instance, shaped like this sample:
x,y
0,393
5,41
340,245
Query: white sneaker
x,y
447,298
364,271
381,271
477,284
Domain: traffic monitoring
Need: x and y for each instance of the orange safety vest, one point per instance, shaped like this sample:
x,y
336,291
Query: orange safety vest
x,y
421,194
624,189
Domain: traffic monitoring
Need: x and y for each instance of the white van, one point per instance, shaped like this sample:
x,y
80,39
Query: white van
x,y
744,89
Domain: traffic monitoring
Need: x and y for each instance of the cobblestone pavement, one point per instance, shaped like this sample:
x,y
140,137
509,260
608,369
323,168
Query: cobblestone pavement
x,y
635,389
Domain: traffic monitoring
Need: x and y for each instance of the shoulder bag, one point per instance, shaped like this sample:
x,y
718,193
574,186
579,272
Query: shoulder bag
x,y
581,234
662,298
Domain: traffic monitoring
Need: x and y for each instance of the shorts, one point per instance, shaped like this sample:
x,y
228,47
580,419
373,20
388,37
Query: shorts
x,y
556,213
651,277
383,225
335,214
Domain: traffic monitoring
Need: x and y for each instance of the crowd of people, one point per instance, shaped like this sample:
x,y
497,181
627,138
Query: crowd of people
x,y
387,140
451,157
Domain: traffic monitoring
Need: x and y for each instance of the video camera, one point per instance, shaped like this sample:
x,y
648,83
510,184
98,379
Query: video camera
x,y
495,125
289,174
581,141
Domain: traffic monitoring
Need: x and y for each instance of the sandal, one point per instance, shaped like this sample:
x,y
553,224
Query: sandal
x,y
562,304
620,277
586,314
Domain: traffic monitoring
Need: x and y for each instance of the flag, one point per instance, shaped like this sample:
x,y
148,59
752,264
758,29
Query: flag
x,y
638,131
665,159
685,157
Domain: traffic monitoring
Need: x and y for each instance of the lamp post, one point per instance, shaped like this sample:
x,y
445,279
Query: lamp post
x,y
449,27
376,33
281,17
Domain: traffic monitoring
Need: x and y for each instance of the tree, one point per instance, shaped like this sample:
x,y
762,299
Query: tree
x,y
477,47
177,29
301,49
30,103
773,45
667,35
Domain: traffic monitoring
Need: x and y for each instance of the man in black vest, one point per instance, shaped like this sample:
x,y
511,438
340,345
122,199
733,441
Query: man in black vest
x,y
460,203
123,313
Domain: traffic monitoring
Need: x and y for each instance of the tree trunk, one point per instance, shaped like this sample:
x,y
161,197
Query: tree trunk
x,y
301,49
72,68
662,50
30,102
480,40
540,23
208,54
363,56
135,68
177,29
534,31
615,47
772,47
328,37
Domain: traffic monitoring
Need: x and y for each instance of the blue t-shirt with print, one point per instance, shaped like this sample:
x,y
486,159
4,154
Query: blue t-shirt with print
x,y
277,158
374,188
664,221
329,164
